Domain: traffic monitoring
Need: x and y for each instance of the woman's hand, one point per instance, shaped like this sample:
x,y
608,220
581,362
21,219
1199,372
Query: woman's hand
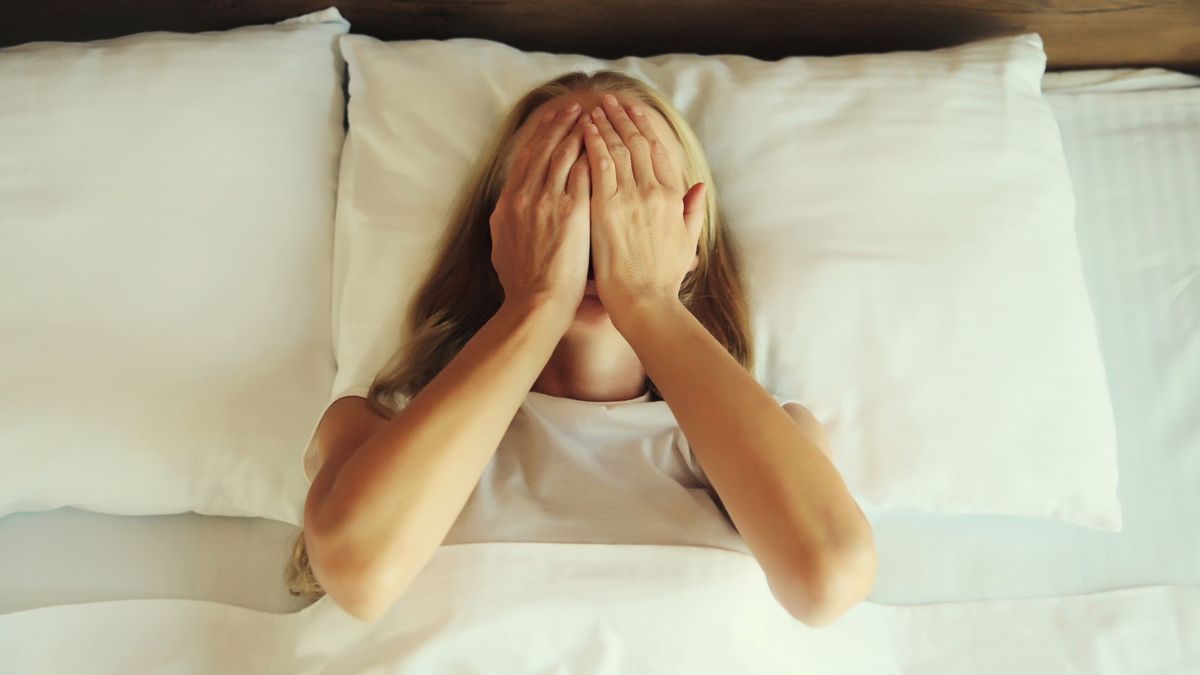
x,y
645,221
540,234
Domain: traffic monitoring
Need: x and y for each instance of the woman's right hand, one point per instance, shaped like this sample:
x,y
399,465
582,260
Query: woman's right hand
x,y
541,228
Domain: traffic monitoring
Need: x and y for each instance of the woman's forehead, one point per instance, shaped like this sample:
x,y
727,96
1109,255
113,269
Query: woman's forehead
x,y
589,99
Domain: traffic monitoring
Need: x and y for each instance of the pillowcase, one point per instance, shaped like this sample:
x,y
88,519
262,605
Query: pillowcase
x,y
167,208
906,223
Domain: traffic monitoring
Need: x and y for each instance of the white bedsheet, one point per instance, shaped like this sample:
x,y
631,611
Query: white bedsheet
x,y
1133,144
591,608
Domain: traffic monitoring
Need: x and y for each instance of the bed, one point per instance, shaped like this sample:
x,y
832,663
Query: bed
x,y
1132,139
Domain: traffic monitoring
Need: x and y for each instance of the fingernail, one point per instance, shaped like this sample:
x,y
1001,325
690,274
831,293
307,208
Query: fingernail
x,y
573,107
637,110
597,113
548,114
610,99
592,129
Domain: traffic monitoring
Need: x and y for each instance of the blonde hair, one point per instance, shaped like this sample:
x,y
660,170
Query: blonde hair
x,y
459,294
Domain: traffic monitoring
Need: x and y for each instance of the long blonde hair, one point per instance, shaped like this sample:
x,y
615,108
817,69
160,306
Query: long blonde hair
x,y
459,294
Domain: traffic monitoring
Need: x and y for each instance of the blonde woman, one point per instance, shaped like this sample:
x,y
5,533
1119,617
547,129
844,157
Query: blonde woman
x,y
592,384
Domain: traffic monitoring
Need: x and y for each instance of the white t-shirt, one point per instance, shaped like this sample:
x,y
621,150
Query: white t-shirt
x,y
613,472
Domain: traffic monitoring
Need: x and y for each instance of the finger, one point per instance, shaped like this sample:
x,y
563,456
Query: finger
x,y
516,173
600,163
578,184
564,157
664,165
616,148
551,136
631,136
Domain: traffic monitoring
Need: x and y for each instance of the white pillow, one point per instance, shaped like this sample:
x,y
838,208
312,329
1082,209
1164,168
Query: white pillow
x,y
906,221
166,217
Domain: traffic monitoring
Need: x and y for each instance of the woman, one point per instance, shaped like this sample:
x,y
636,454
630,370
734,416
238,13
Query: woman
x,y
612,282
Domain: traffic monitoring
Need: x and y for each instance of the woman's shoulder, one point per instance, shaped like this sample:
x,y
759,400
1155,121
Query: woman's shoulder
x,y
346,423
810,425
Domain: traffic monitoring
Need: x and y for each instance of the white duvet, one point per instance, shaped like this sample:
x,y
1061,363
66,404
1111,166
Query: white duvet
x,y
584,608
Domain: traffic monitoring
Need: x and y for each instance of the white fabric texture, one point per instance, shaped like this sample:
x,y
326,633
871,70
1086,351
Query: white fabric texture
x,y
601,609
1134,163
166,214
1133,147
68,556
603,472
906,222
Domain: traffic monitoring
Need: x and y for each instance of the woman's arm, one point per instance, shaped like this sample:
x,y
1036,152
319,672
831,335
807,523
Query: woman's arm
x,y
373,521
782,492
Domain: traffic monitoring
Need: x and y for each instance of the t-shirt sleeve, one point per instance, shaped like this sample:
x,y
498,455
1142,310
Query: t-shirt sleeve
x,y
781,399
358,388
304,451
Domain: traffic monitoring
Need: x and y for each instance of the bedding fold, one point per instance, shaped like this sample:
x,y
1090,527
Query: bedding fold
x,y
583,608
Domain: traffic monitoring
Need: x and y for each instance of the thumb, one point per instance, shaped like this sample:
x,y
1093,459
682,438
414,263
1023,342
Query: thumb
x,y
694,209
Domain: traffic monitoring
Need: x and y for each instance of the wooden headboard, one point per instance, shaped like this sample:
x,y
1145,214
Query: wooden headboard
x,y
1103,33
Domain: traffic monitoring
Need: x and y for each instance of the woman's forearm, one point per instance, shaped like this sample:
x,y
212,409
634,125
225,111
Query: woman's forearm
x,y
394,500
784,495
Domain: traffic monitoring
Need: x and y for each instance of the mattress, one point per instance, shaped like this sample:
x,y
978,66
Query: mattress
x,y
1132,139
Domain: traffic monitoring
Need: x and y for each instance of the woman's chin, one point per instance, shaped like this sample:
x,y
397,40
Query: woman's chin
x,y
590,300
591,309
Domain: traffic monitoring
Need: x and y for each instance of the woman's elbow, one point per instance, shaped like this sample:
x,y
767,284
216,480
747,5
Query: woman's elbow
x,y
354,585
364,597
824,592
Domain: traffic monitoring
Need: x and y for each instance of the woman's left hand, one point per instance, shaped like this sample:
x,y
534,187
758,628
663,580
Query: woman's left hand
x,y
645,221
